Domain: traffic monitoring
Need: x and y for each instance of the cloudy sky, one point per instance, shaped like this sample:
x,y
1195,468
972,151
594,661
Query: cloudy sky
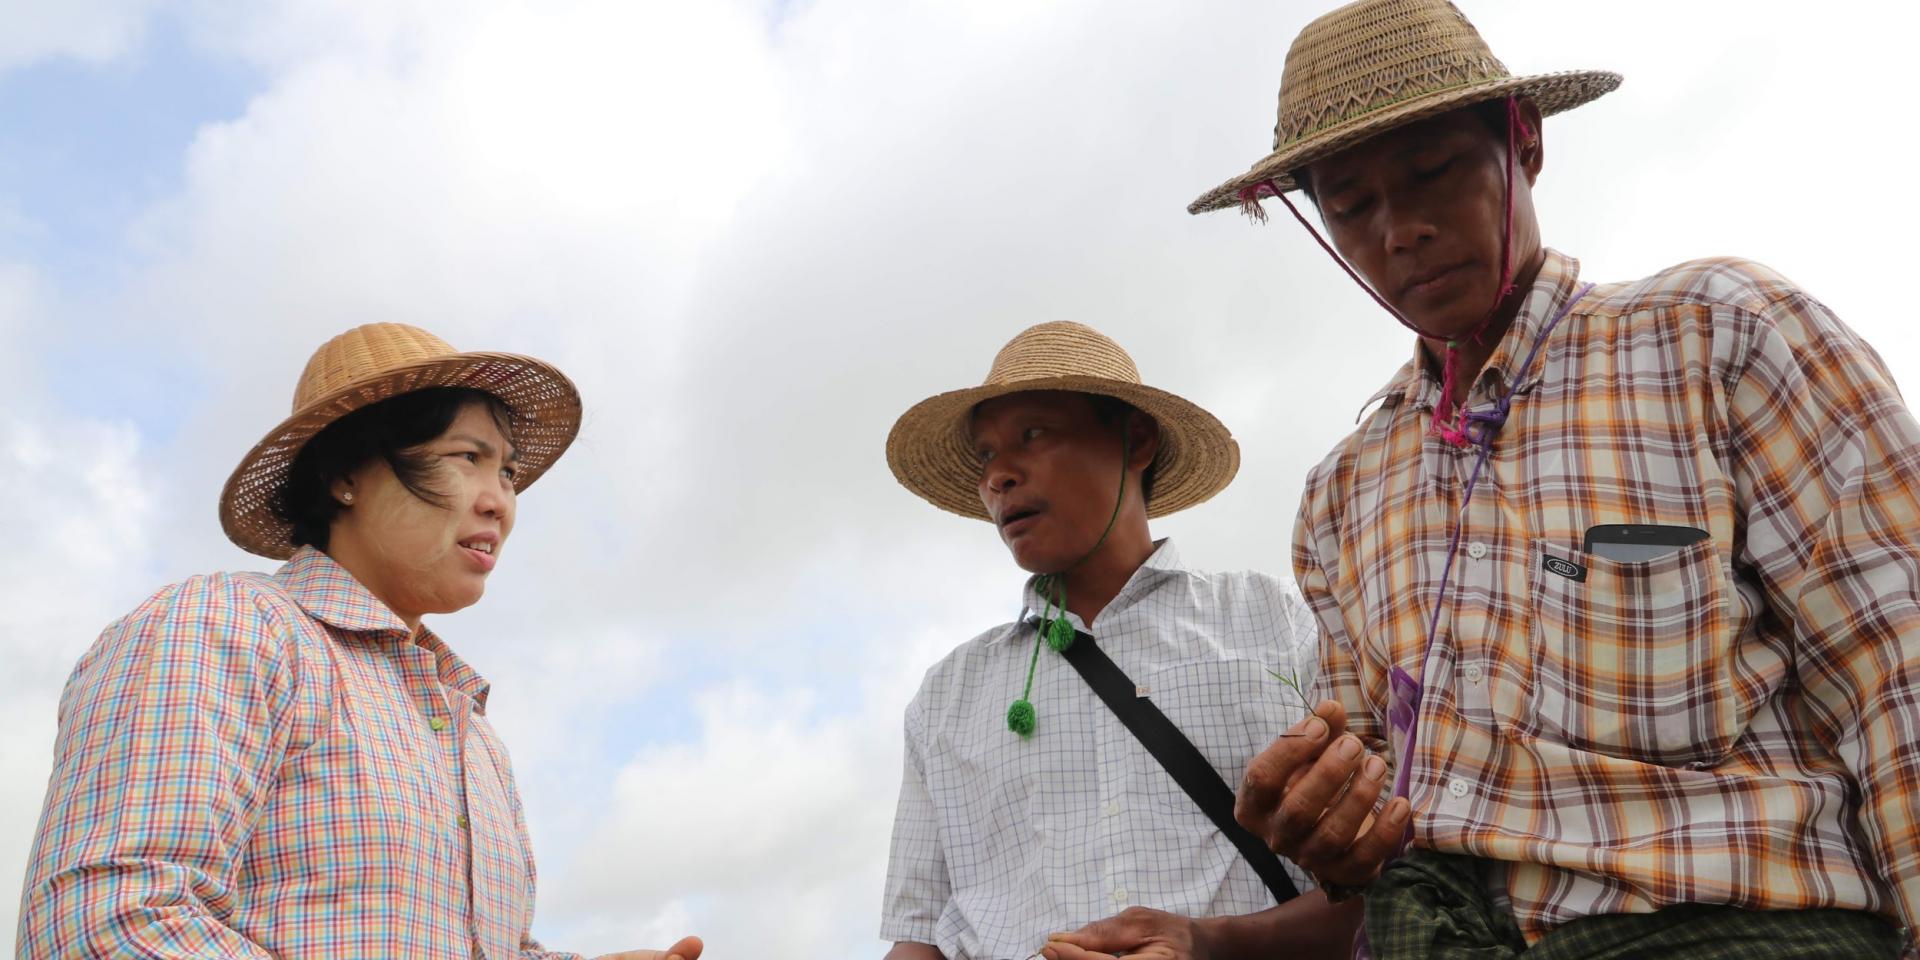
x,y
755,231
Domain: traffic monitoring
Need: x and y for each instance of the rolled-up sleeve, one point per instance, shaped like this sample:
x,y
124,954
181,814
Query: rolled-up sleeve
x,y
170,731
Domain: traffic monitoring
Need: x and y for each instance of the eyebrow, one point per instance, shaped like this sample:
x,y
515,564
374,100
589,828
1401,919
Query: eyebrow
x,y
486,449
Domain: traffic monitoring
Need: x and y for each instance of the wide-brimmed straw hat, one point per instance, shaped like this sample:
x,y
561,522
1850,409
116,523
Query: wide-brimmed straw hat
x,y
931,449
372,363
1378,64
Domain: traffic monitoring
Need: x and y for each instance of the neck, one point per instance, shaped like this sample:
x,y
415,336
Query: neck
x,y
1476,351
1095,581
352,560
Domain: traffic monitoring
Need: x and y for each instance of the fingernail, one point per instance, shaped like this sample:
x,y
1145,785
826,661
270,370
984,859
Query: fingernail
x,y
1316,729
1376,768
1349,747
1397,811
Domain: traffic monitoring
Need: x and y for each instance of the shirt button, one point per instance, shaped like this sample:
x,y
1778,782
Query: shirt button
x,y
1458,787
1477,550
1473,673
1120,895
437,723
462,820
1113,809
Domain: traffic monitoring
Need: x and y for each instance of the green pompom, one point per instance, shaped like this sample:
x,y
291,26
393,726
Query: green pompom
x,y
1060,635
1020,718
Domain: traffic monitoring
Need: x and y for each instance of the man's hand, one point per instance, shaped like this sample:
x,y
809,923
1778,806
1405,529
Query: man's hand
x,y
1137,933
688,948
1311,799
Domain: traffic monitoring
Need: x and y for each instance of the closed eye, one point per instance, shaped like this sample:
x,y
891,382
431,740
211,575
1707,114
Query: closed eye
x,y
1349,210
1434,172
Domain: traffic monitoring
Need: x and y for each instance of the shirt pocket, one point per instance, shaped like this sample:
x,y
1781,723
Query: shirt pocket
x,y
1229,709
1634,659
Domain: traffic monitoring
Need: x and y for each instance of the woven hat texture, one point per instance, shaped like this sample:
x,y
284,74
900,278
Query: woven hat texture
x,y
1378,64
372,363
932,454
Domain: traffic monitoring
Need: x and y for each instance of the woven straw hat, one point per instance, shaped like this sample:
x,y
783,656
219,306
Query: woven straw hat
x,y
369,364
1377,64
932,453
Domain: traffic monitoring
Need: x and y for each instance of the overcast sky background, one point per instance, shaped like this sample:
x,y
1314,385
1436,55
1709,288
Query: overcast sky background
x,y
754,233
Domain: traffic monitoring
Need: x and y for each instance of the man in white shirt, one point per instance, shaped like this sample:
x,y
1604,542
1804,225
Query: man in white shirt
x,y
1027,807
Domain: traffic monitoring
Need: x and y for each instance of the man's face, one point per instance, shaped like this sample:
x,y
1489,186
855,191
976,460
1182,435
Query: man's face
x,y
1049,474
1417,211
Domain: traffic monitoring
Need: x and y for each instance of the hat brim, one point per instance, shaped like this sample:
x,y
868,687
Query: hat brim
x,y
546,418
931,452
1552,93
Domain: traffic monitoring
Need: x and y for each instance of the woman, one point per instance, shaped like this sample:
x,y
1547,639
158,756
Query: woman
x,y
294,765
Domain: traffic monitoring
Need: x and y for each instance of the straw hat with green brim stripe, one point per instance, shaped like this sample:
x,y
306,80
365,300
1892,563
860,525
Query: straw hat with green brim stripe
x,y
375,362
932,453
1378,64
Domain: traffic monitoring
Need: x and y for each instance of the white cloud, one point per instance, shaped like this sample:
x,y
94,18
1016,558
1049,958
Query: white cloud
x,y
754,233
78,521
92,31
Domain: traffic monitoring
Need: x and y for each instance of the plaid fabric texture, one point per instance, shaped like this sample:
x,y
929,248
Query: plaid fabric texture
x,y
1434,906
252,766
1735,722
1000,840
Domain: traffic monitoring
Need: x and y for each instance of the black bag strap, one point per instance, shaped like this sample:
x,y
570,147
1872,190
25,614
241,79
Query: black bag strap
x,y
1189,768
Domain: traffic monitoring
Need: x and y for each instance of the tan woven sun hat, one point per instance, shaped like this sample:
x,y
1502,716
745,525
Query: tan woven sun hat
x,y
931,450
372,363
1377,64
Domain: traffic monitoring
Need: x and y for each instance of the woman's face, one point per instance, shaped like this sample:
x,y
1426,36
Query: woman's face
x,y
420,557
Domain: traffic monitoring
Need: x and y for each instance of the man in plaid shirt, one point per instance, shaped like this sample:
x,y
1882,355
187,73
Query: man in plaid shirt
x,y
1704,751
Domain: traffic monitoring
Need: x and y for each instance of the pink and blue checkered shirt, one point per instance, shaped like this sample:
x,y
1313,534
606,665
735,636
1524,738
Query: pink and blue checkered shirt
x,y
273,767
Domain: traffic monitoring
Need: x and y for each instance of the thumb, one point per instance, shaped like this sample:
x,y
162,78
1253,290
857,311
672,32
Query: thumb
x,y
687,948
1108,936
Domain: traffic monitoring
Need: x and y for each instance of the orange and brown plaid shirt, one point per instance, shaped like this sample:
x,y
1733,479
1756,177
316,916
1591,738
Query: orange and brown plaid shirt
x,y
1735,722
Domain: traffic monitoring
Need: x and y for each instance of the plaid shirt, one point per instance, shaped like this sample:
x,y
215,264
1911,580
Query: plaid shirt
x,y
253,766
1000,840
1734,722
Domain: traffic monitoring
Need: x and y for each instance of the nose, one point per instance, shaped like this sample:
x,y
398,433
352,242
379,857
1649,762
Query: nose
x,y
1001,475
1407,228
495,502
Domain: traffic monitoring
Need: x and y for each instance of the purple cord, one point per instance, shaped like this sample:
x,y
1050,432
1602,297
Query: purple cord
x,y
1404,692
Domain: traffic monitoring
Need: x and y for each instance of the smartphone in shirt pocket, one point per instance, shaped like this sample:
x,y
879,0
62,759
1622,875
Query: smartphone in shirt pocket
x,y
1633,647
1639,542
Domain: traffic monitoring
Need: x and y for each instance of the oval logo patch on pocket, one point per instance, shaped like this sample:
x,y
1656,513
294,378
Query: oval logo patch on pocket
x,y
1565,568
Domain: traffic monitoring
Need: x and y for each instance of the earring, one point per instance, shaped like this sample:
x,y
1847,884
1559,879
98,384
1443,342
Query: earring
x,y
347,497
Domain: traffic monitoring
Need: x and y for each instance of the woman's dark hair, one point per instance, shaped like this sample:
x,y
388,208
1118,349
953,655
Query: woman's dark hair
x,y
1112,411
391,430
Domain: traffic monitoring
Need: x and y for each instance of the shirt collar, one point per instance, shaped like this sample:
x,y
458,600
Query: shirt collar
x,y
329,594
1164,560
1558,276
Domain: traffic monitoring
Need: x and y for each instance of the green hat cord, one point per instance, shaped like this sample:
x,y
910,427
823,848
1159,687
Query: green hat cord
x,y
1055,631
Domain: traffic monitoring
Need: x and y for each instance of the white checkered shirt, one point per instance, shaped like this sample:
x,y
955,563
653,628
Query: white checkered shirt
x,y
1000,840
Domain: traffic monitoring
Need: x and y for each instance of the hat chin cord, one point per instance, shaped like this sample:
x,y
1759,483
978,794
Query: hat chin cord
x,y
1447,422
1054,630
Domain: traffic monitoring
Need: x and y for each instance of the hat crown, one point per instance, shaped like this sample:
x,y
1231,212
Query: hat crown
x,y
1061,349
1375,53
365,351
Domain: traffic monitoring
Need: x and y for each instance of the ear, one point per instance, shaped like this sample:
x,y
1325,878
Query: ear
x,y
1143,441
1533,141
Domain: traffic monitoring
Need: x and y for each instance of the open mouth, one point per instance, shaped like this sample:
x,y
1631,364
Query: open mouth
x,y
1014,521
480,550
